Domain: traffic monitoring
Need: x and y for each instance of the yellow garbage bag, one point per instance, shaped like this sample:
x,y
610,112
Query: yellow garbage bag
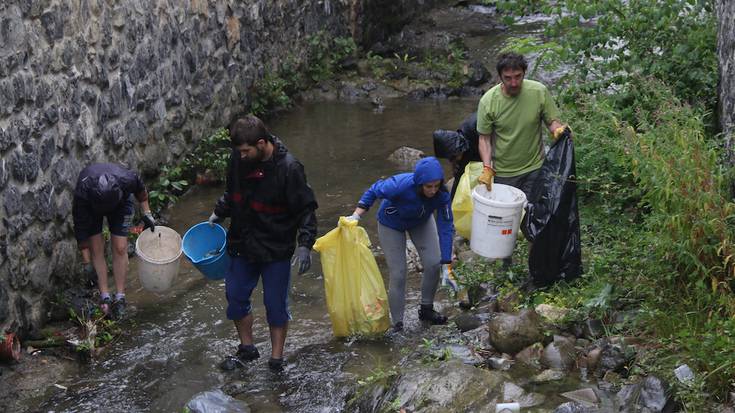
x,y
356,298
462,202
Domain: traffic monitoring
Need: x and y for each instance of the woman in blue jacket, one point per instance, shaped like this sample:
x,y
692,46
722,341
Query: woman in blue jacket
x,y
409,202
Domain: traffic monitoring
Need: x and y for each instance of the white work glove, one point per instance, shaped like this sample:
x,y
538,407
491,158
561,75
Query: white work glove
x,y
213,219
354,217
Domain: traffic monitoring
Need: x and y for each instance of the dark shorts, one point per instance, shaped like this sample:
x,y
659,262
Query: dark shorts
x,y
242,280
87,222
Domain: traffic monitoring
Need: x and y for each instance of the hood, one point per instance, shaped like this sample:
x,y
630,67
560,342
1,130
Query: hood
x,y
449,143
279,149
427,170
106,194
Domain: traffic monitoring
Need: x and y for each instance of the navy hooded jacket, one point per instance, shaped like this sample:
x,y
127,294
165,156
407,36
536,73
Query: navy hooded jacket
x,y
405,207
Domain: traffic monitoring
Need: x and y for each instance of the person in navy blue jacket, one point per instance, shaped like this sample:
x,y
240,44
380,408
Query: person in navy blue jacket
x,y
408,206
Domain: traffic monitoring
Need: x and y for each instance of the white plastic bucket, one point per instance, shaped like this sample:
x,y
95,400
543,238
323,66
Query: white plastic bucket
x,y
159,254
496,218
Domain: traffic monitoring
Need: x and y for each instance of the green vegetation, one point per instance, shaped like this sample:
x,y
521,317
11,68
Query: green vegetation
x,y
97,331
325,54
609,41
378,375
211,155
657,220
166,189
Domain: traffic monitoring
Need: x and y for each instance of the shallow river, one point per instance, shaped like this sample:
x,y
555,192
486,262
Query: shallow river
x,y
174,342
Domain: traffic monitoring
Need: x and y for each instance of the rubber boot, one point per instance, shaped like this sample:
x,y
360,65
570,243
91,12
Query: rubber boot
x,y
427,313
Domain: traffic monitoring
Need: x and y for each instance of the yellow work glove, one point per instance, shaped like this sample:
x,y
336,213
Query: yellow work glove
x,y
561,131
487,177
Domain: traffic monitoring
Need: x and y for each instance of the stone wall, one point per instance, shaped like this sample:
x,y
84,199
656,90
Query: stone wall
x,y
131,81
726,52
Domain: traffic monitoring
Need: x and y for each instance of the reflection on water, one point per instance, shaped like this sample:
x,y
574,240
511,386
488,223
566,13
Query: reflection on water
x,y
174,342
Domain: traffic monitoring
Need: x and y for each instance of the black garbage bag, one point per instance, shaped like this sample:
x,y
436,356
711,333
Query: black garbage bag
x,y
449,143
552,220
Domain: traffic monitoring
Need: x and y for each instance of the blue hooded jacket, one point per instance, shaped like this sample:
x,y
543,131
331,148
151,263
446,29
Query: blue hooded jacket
x,y
405,207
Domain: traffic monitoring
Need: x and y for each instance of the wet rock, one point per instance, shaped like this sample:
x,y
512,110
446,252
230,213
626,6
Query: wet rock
x,y
470,91
416,94
509,302
511,333
477,75
406,157
653,394
369,86
612,358
559,354
350,92
479,337
531,355
611,382
649,394
467,322
464,354
216,401
551,313
547,376
572,407
593,328
586,397
514,393
447,386
593,358
500,363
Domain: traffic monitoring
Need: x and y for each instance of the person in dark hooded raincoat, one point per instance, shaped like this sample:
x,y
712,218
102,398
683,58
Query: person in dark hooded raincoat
x,y
106,190
409,203
272,219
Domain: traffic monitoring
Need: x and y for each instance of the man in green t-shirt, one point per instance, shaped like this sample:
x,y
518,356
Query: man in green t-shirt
x,y
509,118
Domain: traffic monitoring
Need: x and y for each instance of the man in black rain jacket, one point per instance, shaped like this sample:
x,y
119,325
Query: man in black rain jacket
x,y
271,208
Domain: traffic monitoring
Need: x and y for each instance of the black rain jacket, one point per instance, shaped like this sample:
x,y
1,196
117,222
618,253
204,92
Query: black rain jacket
x,y
270,206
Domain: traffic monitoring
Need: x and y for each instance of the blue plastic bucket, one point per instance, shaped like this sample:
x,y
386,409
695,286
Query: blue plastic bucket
x,y
204,246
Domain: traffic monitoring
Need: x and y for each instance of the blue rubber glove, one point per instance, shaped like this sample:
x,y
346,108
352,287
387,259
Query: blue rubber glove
x,y
303,256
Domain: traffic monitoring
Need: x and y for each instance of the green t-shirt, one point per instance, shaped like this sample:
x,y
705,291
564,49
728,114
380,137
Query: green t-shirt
x,y
516,122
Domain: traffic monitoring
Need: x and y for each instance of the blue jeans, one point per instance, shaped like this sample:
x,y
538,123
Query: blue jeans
x,y
242,280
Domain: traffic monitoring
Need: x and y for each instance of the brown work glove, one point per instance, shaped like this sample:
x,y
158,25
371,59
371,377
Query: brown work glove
x,y
487,177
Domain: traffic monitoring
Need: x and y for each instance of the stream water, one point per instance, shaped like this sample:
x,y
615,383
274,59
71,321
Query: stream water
x,y
173,342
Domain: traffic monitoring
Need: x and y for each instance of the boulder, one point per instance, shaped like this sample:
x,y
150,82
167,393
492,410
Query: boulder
x,y
572,407
511,333
406,157
449,386
559,354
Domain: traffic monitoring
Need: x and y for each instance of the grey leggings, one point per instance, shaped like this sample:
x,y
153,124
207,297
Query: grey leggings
x,y
393,242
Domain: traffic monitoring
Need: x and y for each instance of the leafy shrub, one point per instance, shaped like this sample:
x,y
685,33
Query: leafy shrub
x,y
166,189
211,154
269,93
325,53
683,186
608,41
